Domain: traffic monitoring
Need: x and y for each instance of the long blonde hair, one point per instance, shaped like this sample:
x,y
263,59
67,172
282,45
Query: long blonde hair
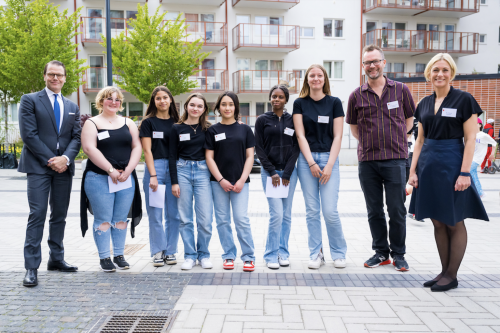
x,y
306,90
205,124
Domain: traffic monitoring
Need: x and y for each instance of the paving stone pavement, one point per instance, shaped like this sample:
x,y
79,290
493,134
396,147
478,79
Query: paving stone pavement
x,y
294,298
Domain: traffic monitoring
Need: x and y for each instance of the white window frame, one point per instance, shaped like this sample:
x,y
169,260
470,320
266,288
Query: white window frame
x,y
332,69
307,37
333,28
483,4
485,39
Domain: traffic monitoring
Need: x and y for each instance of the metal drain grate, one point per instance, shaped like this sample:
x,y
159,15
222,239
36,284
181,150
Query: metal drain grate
x,y
135,322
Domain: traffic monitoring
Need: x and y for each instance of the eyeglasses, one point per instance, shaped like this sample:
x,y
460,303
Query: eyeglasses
x,y
52,75
374,62
110,99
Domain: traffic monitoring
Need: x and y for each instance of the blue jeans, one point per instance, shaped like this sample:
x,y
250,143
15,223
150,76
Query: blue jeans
x,y
223,202
475,178
280,220
108,208
161,239
194,182
322,198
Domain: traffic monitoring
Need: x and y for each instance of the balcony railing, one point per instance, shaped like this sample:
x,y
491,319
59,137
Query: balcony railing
x,y
211,33
211,81
423,5
421,41
95,79
399,75
271,3
260,81
91,28
250,35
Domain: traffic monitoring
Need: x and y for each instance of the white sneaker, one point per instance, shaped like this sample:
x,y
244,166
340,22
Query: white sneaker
x,y
317,263
205,263
284,262
188,264
273,265
339,263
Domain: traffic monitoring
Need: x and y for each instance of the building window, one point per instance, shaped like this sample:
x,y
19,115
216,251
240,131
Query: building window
x,y
307,32
260,108
420,68
339,28
334,69
327,28
135,109
484,2
13,112
482,39
498,69
171,16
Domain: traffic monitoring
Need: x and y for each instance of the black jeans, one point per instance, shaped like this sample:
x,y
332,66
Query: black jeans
x,y
374,176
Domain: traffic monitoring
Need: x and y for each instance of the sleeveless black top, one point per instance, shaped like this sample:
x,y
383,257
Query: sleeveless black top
x,y
117,150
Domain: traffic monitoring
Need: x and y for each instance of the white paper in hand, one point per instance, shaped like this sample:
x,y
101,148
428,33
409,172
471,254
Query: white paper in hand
x,y
120,186
157,199
279,192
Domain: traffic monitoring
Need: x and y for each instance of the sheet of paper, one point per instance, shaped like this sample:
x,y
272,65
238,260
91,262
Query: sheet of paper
x,y
157,199
120,186
279,192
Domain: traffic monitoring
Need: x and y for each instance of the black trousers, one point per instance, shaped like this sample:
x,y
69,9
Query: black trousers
x,y
53,188
375,176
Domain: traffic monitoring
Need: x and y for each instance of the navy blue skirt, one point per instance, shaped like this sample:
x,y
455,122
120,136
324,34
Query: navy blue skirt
x,y
438,169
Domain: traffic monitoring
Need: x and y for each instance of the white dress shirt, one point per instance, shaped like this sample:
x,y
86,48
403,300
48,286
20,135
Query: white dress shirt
x,y
52,99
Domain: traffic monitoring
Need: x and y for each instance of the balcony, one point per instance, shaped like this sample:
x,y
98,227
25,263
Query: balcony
x,y
212,34
422,8
260,81
211,81
415,42
91,28
399,75
273,38
195,2
95,79
271,4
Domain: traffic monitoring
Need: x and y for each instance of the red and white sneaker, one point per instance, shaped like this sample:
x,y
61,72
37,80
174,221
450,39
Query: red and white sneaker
x,y
228,264
248,266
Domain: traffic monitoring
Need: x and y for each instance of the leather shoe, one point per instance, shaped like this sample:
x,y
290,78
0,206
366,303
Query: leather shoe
x,y
31,278
452,285
429,283
61,266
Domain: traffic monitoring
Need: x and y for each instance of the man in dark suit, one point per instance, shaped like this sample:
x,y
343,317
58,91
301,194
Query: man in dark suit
x,y
50,128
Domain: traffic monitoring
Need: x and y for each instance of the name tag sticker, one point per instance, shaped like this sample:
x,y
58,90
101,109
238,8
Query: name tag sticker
x,y
157,135
221,136
393,105
103,135
449,113
289,131
323,119
185,137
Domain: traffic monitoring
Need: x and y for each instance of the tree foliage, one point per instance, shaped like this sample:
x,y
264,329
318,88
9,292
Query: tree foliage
x,y
155,53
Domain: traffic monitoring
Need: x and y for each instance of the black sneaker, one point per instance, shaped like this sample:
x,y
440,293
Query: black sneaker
x,y
120,262
170,259
107,265
400,264
377,260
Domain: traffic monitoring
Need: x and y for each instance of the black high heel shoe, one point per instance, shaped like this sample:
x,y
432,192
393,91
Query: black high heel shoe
x,y
429,283
452,285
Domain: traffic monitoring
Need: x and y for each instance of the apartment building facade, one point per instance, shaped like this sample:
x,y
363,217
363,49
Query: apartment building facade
x,y
256,44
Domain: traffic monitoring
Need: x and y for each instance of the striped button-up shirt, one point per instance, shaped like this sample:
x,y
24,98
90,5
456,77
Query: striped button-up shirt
x,y
381,121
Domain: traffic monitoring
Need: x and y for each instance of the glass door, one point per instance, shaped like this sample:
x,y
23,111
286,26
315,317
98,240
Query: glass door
x,y
117,19
370,33
209,28
243,65
244,30
450,35
401,41
261,75
261,30
97,72
95,23
420,37
277,74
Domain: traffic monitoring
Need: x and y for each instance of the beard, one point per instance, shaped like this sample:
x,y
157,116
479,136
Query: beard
x,y
374,76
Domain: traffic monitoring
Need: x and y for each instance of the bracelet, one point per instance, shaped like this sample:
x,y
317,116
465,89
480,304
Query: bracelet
x,y
465,174
312,165
221,179
152,176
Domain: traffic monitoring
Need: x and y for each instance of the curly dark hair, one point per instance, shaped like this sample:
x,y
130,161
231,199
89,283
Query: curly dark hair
x,y
282,88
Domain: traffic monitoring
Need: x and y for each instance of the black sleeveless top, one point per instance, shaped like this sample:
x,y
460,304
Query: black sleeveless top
x,y
117,150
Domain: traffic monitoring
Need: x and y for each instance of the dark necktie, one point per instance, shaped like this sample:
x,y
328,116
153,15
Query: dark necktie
x,y
57,112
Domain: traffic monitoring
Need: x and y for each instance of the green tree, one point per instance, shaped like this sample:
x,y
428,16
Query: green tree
x,y
32,34
154,53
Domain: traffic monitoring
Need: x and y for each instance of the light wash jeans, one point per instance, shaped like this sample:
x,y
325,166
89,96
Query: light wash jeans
x,y
111,208
161,239
194,182
280,220
322,198
223,202
475,178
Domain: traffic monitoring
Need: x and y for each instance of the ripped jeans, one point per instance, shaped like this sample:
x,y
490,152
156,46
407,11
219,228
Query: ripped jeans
x,y
110,213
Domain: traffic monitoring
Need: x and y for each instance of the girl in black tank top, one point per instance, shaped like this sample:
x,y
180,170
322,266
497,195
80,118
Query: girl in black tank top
x,y
113,155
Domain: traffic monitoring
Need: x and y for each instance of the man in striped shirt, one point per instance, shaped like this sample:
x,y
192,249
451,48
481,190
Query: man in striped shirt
x,y
380,113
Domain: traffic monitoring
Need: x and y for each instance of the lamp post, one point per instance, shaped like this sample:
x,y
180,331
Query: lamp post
x,y
108,44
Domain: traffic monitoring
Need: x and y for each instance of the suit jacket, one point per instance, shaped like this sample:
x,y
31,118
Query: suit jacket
x,y
37,125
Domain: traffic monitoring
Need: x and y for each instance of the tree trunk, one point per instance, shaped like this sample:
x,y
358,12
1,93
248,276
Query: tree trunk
x,y
6,115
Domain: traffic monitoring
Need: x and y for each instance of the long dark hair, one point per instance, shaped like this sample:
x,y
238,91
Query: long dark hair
x,y
152,111
236,102
203,118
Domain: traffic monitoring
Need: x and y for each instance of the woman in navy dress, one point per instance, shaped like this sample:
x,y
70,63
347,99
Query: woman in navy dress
x,y
440,170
